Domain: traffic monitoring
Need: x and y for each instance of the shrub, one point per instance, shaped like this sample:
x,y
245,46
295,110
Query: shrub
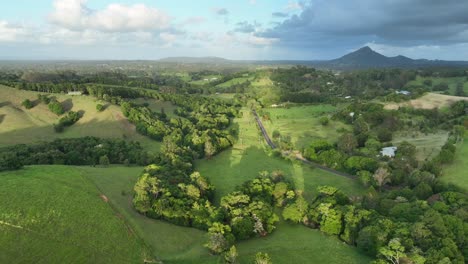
x,y
324,120
27,104
99,107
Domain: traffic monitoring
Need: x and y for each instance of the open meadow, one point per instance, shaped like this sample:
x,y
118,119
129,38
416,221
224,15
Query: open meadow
x,y
52,214
248,157
427,145
302,123
428,101
457,172
21,126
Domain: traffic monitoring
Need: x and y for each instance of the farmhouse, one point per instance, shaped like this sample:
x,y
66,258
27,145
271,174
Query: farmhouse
x,y
75,93
388,152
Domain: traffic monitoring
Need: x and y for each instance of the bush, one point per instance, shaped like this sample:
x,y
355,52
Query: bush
x,y
56,108
99,107
324,120
104,161
27,104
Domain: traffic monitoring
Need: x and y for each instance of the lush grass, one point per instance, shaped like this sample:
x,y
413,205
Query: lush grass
x,y
170,243
175,244
427,145
450,81
19,125
248,157
302,123
456,172
235,81
293,243
51,214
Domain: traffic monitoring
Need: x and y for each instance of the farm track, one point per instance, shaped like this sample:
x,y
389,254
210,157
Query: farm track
x,y
297,155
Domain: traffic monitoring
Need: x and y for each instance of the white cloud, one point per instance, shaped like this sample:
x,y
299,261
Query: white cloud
x,y
259,41
293,6
11,33
75,15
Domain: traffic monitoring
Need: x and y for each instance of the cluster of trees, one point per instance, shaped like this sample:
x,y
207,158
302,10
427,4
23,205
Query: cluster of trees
x,y
68,120
166,192
75,151
399,226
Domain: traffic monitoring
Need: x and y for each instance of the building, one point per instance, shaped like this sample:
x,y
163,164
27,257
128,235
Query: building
x,y
75,93
388,152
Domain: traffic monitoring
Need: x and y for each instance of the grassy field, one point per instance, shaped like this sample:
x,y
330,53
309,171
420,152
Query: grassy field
x,y
235,81
427,146
244,161
456,172
51,214
428,101
302,123
450,81
175,244
19,125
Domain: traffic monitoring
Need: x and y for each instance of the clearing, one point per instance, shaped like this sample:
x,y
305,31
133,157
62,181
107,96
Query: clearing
x,y
427,145
456,172
428,101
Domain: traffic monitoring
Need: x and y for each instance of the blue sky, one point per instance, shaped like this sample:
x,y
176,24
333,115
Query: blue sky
x,y
242,29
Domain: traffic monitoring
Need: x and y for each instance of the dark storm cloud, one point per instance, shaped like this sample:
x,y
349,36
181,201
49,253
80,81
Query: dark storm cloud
x,y
395,22
279,14
246,27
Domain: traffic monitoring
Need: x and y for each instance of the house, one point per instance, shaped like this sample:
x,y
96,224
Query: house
x,y
75,93
403,92
388,152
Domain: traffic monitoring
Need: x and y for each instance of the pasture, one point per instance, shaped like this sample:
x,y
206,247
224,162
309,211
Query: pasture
x,y
51,214
428,101
157,105
427,145
456,172
302,123
175,244
21,126
248,157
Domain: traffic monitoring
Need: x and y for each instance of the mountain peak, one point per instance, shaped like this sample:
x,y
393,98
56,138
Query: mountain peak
x,y
365,48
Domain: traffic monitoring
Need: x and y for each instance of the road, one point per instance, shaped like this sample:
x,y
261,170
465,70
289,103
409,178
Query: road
x,y
297,154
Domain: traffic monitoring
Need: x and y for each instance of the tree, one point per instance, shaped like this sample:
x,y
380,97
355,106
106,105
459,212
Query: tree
x,y
394,251
220,238
104,161
99,107
295,212
56,108
262,258
459,91
9,161
27,104
381,177
347,143
230,257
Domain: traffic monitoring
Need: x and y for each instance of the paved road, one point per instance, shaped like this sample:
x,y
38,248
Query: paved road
x,y
297,155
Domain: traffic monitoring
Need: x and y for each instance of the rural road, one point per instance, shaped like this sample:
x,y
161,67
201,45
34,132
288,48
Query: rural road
x,y
298,155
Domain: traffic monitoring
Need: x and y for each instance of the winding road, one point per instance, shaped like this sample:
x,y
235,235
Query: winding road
x,y
297,154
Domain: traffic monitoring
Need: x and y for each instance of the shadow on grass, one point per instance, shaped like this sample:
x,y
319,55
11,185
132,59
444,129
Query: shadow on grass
x,y
5,103
67,104
2,117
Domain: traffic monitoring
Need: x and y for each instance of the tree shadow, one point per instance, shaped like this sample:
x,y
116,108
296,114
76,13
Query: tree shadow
x,y
81,113
2,104
2,117
67,105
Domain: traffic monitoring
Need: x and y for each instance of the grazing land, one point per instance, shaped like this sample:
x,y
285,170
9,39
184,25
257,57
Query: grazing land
x,y
52,214
20,126
427,145
457,172
428,101
302,123
248,156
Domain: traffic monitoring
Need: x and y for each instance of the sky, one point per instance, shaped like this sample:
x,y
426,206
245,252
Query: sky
x,y
233,29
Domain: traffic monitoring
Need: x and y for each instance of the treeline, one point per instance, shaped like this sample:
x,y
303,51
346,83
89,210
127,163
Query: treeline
x,y
75,151
307,85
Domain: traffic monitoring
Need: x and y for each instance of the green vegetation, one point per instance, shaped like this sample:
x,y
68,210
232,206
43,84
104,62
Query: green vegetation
x,y
36,124
303,123
427,145
446,85
455,173
51,214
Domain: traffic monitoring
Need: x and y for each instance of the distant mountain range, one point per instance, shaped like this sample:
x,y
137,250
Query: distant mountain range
x,y
362,58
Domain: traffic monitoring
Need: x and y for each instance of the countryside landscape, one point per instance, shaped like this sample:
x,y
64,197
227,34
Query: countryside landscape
x,y
128,134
